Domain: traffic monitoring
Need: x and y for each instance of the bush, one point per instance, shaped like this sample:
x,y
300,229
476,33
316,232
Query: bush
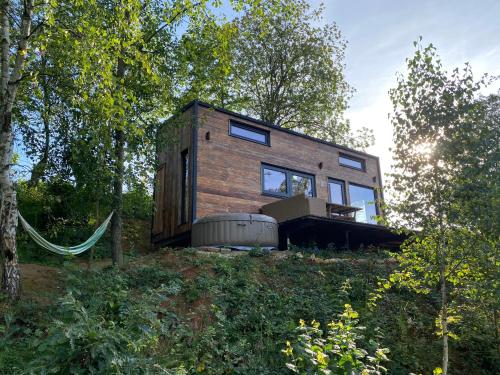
x,y
338,352
98,327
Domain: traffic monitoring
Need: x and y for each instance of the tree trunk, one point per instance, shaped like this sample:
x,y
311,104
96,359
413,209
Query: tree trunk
x,y
497,334
8,216
9,83
444,320
96,225
116,225
40,168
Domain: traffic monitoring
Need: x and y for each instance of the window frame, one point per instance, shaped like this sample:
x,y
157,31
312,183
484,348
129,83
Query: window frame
x,y
266,133
375,196
288,176
353,158
342,184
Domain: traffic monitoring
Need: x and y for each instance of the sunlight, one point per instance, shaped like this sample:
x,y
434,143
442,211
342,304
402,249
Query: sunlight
x,y
424,148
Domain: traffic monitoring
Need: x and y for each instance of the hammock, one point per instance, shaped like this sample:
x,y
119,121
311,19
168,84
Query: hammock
x,y
64,250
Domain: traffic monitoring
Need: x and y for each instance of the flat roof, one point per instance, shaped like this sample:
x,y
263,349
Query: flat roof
x,y
275,127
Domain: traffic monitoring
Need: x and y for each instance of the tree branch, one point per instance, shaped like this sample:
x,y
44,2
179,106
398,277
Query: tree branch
x,y
169,22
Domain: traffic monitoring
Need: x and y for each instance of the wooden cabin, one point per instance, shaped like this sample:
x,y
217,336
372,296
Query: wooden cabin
x,y
222,161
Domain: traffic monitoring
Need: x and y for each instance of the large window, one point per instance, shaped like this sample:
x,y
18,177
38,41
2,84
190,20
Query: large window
x,y
286,183
336,191
249,133
184,214
275,181
351,162
364,198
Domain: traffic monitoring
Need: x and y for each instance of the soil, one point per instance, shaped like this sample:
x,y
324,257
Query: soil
x,y
41,283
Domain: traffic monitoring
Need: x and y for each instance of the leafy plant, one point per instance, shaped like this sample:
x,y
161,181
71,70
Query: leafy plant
x,y
338,352
99,327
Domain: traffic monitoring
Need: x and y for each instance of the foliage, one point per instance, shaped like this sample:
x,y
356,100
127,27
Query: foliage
x,y
229,314
337,352
439,124
60,211
100,327
137,203
273,63
291,72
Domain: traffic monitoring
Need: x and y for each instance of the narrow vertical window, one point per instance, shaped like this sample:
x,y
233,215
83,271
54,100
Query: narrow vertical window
x,y
336,191
184,187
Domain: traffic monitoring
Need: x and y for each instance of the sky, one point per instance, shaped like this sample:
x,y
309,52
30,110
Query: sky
x,y
380,35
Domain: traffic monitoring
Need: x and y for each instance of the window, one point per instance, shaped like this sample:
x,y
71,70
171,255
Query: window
x,y
184,214
286,183
274,181
336,191
364,198
301,184
351,162
249,133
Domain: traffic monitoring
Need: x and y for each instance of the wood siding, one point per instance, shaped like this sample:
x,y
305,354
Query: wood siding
x,y
168,180
229,168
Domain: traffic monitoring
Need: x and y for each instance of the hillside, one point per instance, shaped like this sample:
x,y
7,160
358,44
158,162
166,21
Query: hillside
x,y
187,311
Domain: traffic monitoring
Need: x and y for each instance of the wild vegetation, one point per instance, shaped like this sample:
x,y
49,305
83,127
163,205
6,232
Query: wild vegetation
x,y
84,87
195,312
446,147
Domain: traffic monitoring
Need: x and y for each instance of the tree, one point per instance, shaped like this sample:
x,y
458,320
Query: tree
x,y
435,115
125,64
120,54
290,73
206,63
43,115
16,21
477,195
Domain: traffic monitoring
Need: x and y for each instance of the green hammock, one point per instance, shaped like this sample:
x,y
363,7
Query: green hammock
x,y
63,250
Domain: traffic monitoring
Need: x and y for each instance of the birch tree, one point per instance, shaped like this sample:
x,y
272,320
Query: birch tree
x,y
433,112
16,31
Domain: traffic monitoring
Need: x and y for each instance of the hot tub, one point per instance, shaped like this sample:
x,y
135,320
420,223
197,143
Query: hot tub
x,y
235,230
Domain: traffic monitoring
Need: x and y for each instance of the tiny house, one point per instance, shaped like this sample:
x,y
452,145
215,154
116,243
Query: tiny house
x,y
225,162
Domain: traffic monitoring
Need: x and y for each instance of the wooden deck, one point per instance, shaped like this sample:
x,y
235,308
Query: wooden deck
x,y
322,231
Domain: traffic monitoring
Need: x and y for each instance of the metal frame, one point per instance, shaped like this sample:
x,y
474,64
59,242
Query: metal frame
x,y
288,175
375,195
194,161
353,158
342,184
265,133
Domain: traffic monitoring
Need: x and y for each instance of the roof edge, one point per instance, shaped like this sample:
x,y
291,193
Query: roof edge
x,y
272,126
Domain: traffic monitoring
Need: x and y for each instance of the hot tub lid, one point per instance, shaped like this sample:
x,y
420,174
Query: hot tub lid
x,y
236,217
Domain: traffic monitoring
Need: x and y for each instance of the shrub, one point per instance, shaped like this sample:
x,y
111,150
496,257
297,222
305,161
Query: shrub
x,y
100,327
338,352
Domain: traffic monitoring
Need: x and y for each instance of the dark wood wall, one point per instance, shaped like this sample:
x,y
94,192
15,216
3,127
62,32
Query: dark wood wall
x,y
229,168
173,139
